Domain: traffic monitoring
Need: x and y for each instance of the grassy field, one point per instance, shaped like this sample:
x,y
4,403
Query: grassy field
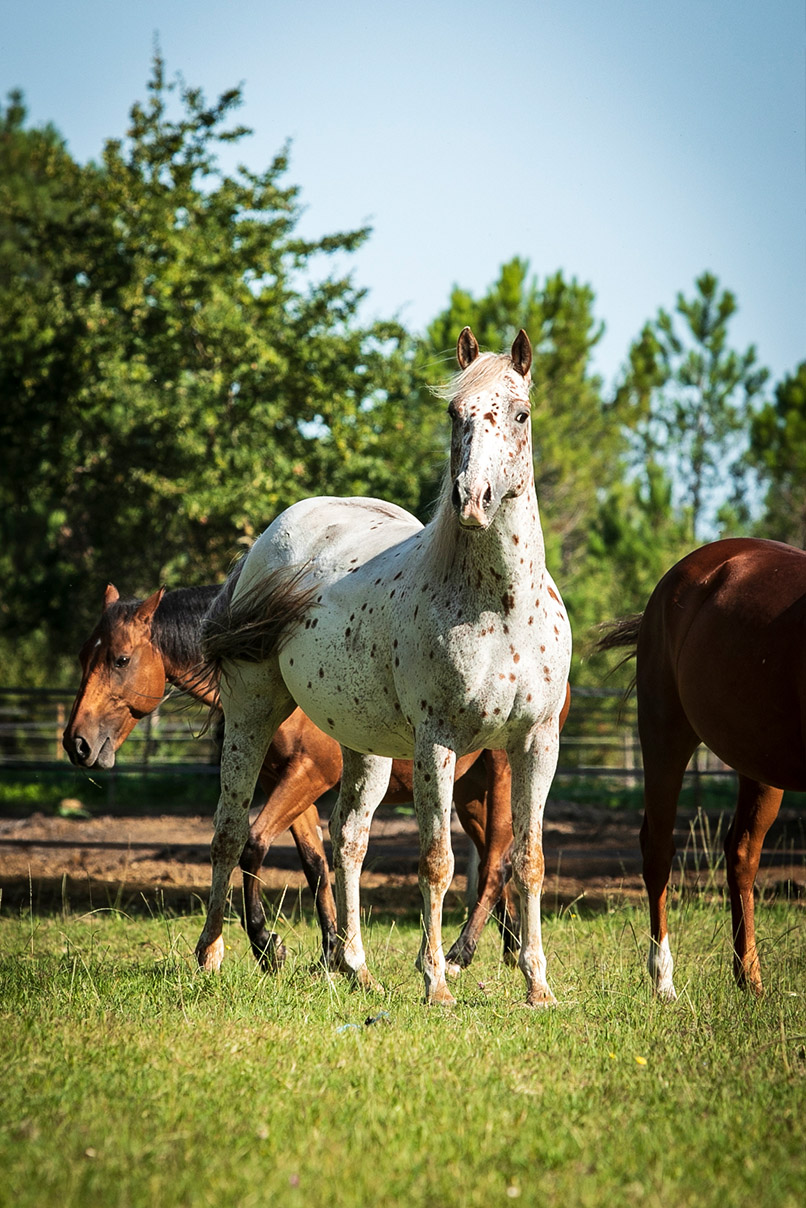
x,y
131,1079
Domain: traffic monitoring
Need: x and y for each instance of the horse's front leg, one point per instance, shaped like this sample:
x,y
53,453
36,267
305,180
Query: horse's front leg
x,y
533,765
254,706
364,781
433,793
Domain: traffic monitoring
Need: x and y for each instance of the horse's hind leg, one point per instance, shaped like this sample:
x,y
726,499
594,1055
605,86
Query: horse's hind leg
x,y
255,702
364,781
289,805
308,838
667,744
757,809
267,947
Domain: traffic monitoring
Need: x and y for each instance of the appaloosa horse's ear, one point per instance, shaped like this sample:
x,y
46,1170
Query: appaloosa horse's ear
x,y
110,595
467,348
148,607
522,353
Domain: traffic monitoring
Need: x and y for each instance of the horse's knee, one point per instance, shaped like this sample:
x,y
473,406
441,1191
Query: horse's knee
x,y
252,856
528,867
436,865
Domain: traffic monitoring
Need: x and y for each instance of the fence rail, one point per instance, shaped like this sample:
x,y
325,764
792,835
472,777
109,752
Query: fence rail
x,y
600,737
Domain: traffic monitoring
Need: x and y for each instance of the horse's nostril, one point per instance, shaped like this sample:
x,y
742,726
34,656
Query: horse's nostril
x,y
488,495
455,497
81,747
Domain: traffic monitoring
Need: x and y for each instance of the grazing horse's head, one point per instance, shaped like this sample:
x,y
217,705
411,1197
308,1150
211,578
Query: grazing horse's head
x,y
123,678
491,442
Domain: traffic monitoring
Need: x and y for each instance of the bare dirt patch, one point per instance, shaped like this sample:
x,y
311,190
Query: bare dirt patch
x,y
592,857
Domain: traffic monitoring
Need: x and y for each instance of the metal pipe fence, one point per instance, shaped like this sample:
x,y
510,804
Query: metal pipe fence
x,y
599,743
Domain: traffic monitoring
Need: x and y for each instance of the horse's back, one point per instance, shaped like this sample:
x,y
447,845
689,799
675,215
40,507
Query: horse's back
x,y
329,535
723,634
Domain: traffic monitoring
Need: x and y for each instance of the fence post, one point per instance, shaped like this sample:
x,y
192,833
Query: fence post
x,y
60,721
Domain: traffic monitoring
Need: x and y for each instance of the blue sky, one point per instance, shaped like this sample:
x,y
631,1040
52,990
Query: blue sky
x,y
630,144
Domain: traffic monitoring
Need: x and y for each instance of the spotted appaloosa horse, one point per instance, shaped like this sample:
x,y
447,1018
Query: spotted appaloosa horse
x,y
720,659
138,646
408,642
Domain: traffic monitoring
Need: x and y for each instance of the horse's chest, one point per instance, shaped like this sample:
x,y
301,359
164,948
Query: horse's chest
x,y
483,680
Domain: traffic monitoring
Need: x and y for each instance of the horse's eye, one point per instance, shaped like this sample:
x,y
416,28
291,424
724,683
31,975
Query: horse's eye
x,y
121,660
521,417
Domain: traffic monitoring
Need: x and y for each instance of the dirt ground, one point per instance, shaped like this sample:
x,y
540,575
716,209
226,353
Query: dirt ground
x,y
137,862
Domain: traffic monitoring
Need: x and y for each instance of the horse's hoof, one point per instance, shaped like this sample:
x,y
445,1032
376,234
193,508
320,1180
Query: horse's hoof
x,y
210,956
540,996
440,996
452,968
270,953
363,978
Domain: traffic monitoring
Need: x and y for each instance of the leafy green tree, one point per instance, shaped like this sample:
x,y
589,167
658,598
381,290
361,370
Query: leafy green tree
x,y
689,395
778,453
177,363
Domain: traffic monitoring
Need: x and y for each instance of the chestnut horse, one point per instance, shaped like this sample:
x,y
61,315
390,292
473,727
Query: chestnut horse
x,y
405,642
720,659
138,647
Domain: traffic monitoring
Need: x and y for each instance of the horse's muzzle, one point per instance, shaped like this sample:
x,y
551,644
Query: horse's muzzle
x,y
471,506
82,755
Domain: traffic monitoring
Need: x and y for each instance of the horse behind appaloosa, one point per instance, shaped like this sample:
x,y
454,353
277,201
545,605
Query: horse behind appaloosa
x,y
720,659
408,642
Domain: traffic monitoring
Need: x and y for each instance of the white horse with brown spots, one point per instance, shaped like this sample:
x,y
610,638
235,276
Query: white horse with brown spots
x,y
407,642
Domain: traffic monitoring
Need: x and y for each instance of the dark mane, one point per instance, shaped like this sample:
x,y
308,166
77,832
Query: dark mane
x,y
176,627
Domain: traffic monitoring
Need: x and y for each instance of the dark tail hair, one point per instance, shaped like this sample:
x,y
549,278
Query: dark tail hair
x,y
254,627
618,634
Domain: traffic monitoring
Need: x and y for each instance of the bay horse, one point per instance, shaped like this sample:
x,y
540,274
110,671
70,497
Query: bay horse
x,y
405,642
138,647
720,659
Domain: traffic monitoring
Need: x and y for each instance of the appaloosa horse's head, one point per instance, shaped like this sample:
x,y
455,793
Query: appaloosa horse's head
x,y
123,679
491,441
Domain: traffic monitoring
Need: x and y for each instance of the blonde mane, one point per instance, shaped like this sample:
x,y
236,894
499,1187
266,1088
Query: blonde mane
x,y
479,375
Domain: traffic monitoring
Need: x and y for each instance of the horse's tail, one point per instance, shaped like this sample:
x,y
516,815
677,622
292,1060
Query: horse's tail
x,y
255,626
618,634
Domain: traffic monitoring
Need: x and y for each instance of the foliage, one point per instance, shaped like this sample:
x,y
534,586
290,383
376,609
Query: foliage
x,y
132,1079
177,365
778,453
186,365
689,395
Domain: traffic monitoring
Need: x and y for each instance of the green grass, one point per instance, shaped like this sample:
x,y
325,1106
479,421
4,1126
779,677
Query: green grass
x,y
131,1079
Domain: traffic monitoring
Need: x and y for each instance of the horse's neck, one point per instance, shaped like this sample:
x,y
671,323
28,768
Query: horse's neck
x,y
176,632
186,679
508,559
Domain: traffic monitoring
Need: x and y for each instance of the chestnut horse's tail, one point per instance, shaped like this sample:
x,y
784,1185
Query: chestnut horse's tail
x,y
618,634
253,628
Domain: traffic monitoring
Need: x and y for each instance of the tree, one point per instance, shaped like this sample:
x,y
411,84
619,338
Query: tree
x,y
689,395
176,365
778,454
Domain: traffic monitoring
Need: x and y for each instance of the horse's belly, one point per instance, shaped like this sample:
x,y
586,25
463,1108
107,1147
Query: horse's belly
x,y
348,698
757,741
